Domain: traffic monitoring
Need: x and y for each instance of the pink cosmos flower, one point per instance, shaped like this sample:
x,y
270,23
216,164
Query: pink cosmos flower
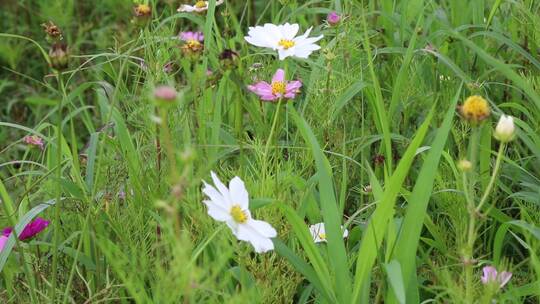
x,y
191,36
34,140
333,18
279,88
3,241
33,228
491,275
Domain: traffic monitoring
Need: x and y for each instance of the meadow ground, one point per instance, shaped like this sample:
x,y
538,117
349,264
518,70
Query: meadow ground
x,y
323,151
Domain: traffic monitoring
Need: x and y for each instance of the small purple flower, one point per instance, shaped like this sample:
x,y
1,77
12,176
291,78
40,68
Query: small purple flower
x,y
191,36
279,88
34,140
3,241
492,276
333,18
33,228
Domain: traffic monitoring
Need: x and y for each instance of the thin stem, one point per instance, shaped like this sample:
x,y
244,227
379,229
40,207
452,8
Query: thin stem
x,y
56,236
271,135
493,177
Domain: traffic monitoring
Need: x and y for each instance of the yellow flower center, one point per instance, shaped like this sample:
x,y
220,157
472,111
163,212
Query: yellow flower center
x,y
278,87
200,4
238,215
286,44
475,108
193,44
322,236
144,9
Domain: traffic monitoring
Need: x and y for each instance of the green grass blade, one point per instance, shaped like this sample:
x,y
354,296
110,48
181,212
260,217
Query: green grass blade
x,y
378,223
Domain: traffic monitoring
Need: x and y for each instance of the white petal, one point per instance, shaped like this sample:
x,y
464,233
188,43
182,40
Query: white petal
x,y
220,186
216,211
283,54
259,242
289,31
238,193
262,228
186,8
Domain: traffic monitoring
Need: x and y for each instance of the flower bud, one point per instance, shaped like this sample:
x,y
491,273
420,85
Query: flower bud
x,y
228,58
165,95
59,56
333,18
464,165
505,129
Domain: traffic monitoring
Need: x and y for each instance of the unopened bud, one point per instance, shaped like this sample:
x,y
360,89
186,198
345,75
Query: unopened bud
x,y
505,129
59,56
464,165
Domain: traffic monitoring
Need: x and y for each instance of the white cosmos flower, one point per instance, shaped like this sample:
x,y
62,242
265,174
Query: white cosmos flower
x,y
231,205
283,39
318,232
199,6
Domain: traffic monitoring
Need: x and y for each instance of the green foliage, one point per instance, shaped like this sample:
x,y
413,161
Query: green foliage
x,y
371,143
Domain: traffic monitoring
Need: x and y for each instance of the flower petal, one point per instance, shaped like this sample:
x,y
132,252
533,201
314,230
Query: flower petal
x,y
260,243
289,31
216,211
279,76
490,274
263,228
504,277
238,193
221,187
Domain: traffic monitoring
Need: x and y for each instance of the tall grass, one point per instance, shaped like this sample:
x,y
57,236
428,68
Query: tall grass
x,y
372,143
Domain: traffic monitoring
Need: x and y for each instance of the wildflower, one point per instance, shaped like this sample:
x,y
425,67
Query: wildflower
x,y
192,42
142,10
33,228
282,38
54,34
165,95
279,88
142,13
34,140
475,109
318,232
492,276
3,241
59,56
505,129
198,7
464,165
333,18
231,205
378,159
228,58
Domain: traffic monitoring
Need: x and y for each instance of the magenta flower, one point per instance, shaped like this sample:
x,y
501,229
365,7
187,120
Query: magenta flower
x,y
191,36
333,18
33,228
279,88
34,140
3,241
492,276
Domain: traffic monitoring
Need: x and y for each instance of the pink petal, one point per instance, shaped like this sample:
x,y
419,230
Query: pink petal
x,y
490,274
293,86
3,241
279,76
505,277
263,89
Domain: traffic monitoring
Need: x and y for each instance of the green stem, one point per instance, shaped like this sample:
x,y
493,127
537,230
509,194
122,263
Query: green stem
x,y
493,178
56,235
271,135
